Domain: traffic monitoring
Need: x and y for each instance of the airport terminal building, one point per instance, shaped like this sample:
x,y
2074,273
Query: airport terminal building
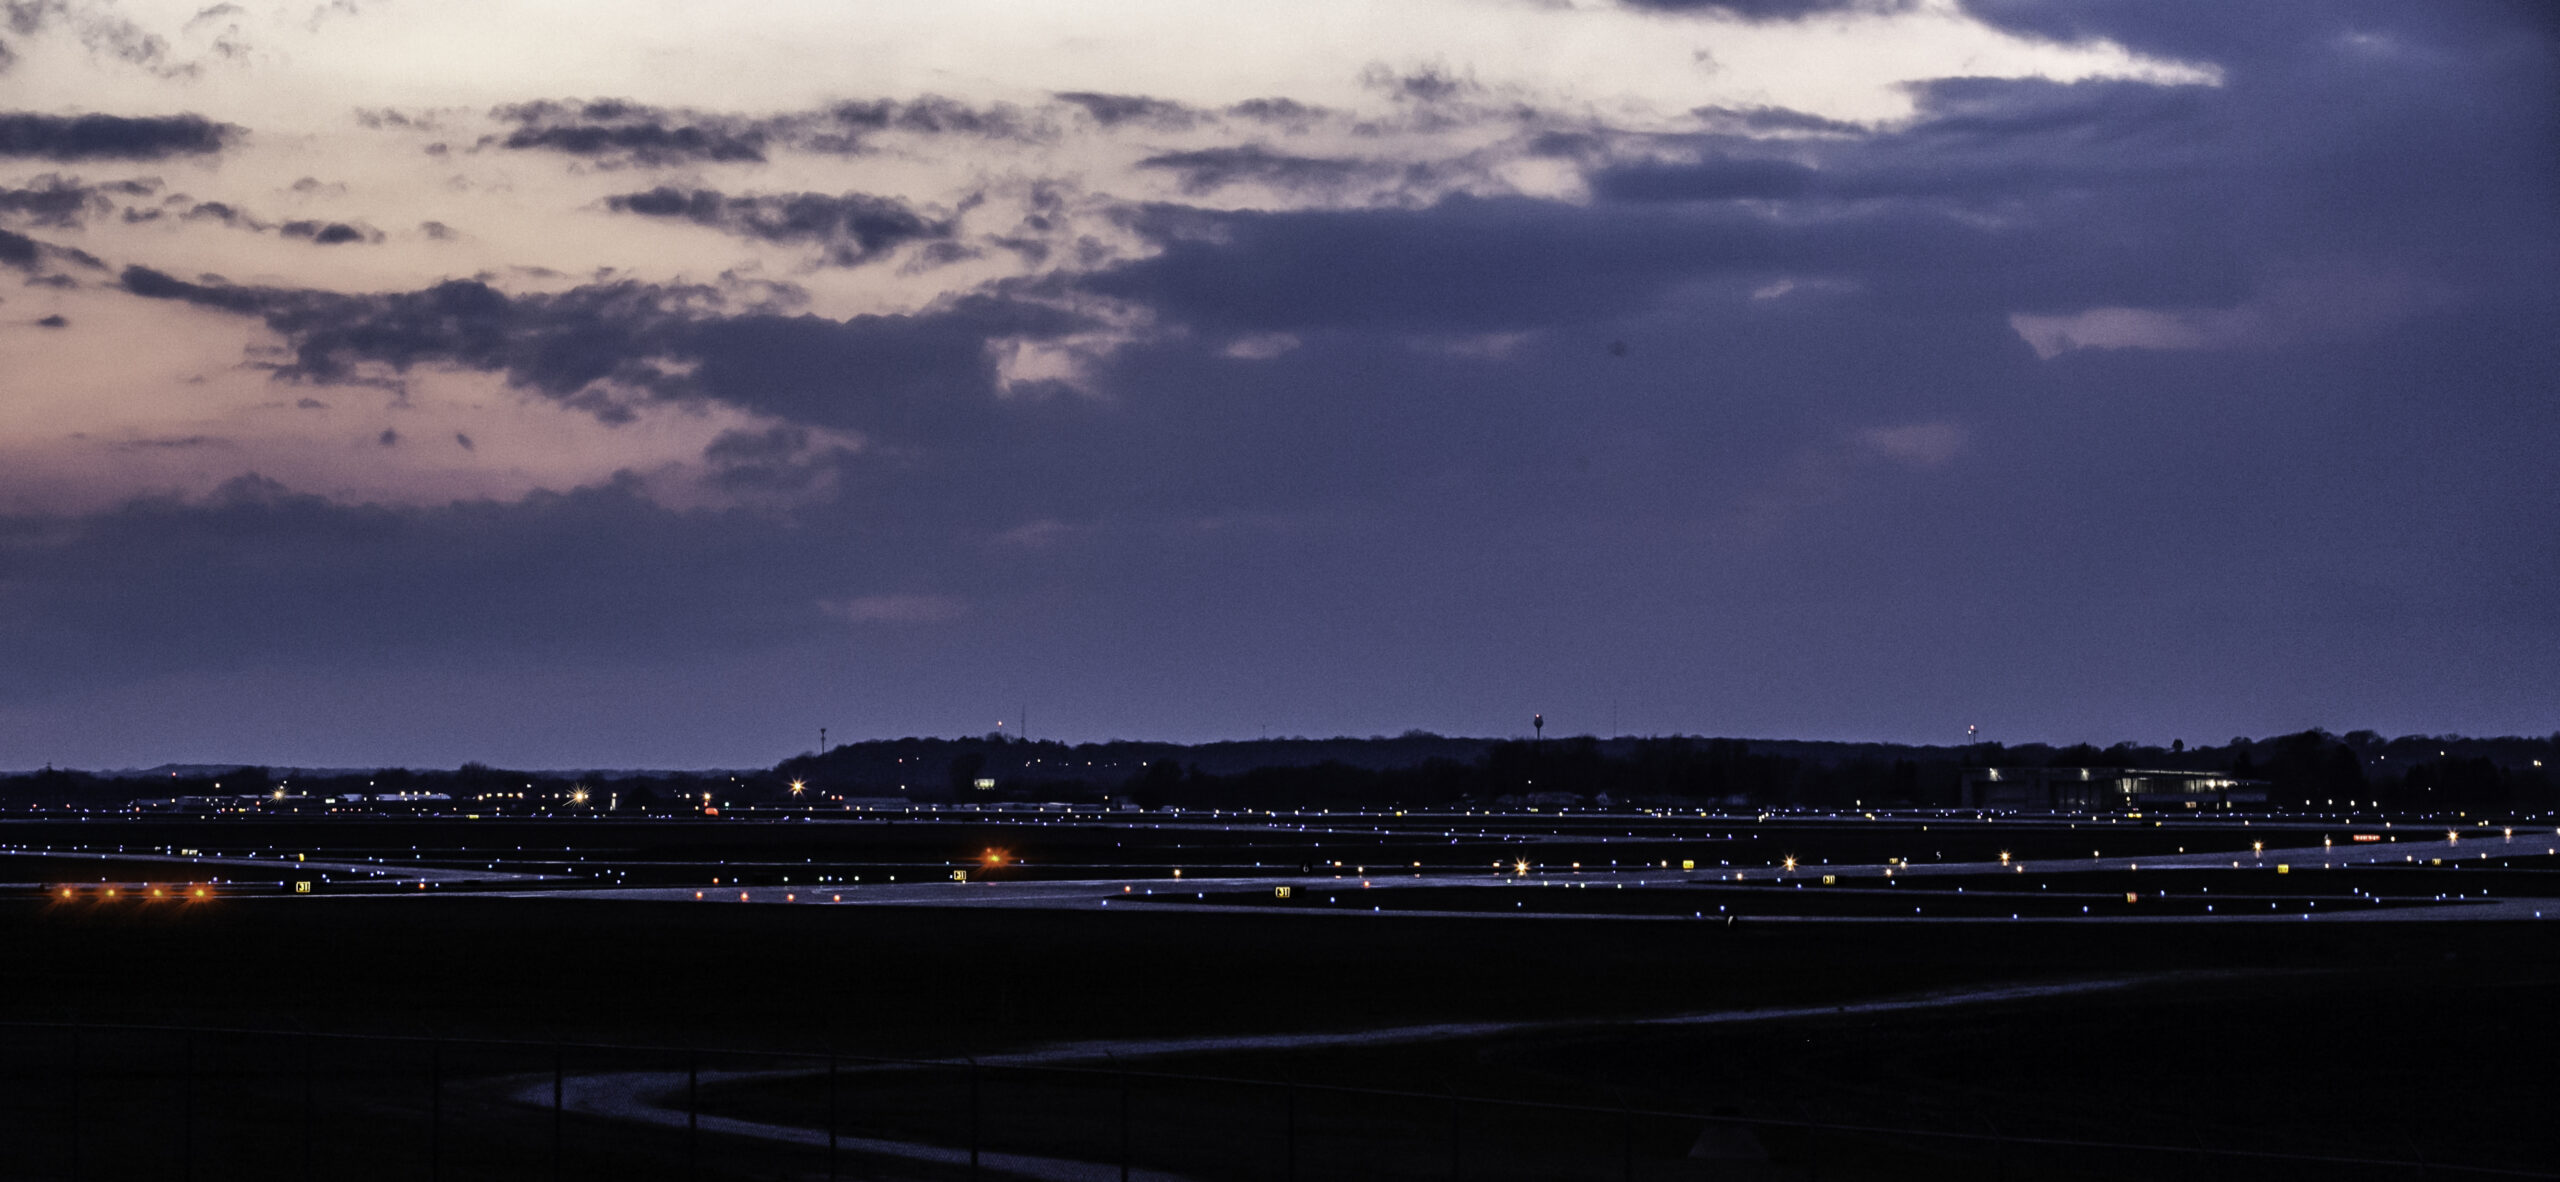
x,y
2106,789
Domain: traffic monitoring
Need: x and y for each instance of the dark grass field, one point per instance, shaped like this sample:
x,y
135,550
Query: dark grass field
x,y
2444,1029
2311,1065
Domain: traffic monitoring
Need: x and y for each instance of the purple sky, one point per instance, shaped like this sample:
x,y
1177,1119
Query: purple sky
x,y
652,384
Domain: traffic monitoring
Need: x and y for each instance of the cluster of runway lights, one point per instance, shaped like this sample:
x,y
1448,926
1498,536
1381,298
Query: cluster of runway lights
x,y
993,858
1524,867
189,893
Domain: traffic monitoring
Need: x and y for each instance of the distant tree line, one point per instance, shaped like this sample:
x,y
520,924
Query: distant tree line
x,y
2311,769
469,788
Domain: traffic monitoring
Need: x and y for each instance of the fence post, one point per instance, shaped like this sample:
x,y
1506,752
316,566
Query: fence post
x,y
831,1115
693,1115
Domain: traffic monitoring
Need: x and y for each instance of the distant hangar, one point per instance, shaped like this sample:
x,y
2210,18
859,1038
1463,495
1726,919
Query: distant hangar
x,y
2106,789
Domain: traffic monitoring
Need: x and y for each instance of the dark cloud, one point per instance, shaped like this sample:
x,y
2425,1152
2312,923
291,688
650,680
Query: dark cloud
x,y
437,231
1567,145
256,573
615,131
1772,120
54,201
1393,449
1210,169
329,233
620,132
110,137
150,284
100,30
2000,196
1288,112
559,344
2244,32
380,118
1429,84
1998,140
315,231
928,115
852,228
17,250
1773,10
1113,110
642,143
928,375
2027,115
29,255
1478,265
942,253
775,460
1719,179
55,321
388,438
223,212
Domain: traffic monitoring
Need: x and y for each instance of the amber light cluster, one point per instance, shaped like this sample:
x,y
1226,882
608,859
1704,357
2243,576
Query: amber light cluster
x,y
187,893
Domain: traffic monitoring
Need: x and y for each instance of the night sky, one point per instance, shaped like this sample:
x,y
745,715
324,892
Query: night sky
x,y
649,384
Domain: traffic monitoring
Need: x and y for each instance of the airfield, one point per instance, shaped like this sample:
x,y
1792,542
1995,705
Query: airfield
x,y
1519,994
1806,867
